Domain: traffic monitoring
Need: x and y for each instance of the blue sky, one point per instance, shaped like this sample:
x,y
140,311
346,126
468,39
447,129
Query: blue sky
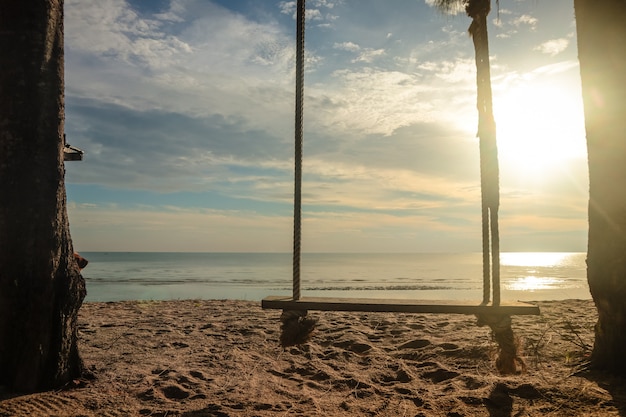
x,y
184,109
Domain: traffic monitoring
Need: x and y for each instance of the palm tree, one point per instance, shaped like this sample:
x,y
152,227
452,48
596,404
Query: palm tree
x,y
478,10
41,288
601,34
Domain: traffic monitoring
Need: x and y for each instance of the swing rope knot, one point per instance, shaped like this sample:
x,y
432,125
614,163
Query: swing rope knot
x,y
509,360
296,328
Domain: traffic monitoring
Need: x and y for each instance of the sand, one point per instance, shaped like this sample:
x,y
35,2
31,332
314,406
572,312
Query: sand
x,y
222,358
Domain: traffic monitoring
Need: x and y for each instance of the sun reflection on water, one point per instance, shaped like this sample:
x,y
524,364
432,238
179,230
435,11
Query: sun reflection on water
x,y
537,271
532,283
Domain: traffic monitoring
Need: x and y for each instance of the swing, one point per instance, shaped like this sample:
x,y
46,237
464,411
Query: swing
x,y
296,306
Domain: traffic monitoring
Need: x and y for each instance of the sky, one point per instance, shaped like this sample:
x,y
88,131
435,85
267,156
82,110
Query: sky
x,y
185,112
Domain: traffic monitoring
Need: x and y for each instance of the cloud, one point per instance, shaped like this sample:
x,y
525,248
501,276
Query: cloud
x,y
314,13
458,71
223,64
174,13
555,68
347,46
372,100
185,111
366,55
288,7
509,23
553,47
167,151
369,55
525,20
326,3
116,31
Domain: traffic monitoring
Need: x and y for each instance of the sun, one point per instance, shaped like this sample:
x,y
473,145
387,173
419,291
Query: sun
x,y
540,127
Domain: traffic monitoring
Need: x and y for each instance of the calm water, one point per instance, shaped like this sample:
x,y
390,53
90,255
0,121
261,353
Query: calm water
x,y
113,276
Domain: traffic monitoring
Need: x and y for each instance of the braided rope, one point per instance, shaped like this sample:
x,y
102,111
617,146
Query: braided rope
x,y
489,170
297,206
296,328
495,256
509,360
486,254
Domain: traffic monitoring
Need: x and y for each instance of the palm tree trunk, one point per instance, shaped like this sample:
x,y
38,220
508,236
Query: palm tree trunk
x,y
602,53
41,288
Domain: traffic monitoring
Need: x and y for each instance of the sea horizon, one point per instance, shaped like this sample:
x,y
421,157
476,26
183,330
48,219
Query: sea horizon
x,y
525,276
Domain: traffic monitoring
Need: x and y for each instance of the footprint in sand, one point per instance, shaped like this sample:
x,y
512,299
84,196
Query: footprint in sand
x,y
472,383
171,392
172,385
352,346
526,391
397,375
175,392
415,344
449,346
440,375
198,375
451,349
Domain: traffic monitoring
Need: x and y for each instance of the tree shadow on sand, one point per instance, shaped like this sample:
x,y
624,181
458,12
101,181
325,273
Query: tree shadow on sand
x,y
499,403
614,385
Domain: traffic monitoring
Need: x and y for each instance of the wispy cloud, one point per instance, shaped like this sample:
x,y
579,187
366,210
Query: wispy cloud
x,y
525,20
553,47
366,55
317,11
347,46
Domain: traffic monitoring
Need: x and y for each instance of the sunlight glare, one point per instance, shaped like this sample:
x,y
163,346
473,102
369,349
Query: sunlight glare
x,y
539,127
539,259
532,283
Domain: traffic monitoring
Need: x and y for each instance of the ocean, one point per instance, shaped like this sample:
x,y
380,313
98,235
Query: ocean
x,y
525,276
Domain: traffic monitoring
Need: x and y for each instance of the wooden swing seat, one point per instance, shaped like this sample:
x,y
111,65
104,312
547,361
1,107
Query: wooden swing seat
x,y
397,306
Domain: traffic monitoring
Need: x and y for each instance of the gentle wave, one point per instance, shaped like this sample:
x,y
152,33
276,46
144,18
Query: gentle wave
x,y
382,288
524,276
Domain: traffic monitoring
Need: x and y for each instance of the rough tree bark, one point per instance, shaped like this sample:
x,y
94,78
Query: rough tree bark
x,y
41,289
601,31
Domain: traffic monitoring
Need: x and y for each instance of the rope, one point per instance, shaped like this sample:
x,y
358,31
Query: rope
x,y
509,360
486,254
495,255
296,329
297,205
489,170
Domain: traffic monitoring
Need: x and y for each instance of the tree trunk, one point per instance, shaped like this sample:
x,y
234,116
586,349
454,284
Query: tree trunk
x,y
41,289
602,53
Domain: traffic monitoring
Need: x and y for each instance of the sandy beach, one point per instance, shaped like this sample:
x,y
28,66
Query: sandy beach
x,y
222,358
